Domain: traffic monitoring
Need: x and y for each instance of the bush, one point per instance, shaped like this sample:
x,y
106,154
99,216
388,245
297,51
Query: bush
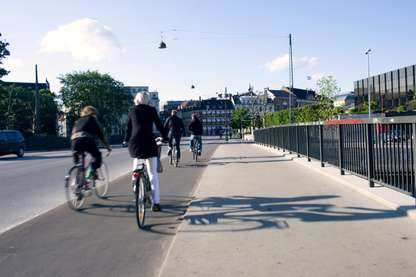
x,y
412,104
401,109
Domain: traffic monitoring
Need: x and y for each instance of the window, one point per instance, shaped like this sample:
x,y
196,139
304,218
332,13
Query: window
x,y
2,136
410,78
11,135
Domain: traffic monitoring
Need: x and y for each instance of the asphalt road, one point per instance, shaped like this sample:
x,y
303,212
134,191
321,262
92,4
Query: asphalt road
x,y
33,184
103,239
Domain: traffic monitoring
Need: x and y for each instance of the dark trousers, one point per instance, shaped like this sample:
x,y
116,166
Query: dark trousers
x,y
88,145
177,145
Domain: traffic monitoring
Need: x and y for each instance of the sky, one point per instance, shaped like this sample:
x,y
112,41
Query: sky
x,y
210,44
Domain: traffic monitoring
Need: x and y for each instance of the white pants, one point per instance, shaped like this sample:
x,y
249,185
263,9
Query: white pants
x,y
151,166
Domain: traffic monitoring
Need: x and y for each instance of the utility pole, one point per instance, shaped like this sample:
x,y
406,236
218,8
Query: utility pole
x,y
368,82
36,112
290,77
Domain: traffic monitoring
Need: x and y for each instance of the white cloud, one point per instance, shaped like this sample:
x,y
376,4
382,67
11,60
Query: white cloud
x,y
282,62
85,39
306,61
11,64
278,64
316,76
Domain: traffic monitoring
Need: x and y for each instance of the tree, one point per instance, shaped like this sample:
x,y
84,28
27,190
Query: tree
x,y
327,87
240,118
17,106
80,89
3,53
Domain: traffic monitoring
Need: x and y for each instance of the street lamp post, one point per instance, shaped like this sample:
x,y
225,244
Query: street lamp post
x,y
368,82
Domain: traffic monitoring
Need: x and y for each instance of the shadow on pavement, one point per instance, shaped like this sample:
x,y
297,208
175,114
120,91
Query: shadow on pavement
x,y
123,206
244,213
225,162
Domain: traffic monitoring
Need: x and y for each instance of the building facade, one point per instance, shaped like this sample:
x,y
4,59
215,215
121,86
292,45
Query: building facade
x,y
388,90
154,95
256,103
298,97
215,115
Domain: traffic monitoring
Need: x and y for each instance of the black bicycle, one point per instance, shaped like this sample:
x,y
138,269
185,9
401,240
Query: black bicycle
x,y
195,148
78,187
173,155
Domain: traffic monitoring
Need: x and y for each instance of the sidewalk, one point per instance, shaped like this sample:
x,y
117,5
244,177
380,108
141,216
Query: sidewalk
x,y
256,213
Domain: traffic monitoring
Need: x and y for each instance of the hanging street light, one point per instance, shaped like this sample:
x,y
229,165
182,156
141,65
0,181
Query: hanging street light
x,y
162,44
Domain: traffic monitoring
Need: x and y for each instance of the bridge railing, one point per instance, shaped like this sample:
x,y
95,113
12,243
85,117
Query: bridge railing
x,y
380,152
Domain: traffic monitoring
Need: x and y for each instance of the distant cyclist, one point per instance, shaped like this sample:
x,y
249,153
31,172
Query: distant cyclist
x,y
141,140
84,133
175,128
196,130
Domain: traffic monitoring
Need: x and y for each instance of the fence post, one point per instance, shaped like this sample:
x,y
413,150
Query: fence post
x,y
307,143
413,147
341,150
370,160
297,140
321,145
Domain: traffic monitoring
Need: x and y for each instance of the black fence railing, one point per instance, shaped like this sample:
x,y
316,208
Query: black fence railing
x,y
380,152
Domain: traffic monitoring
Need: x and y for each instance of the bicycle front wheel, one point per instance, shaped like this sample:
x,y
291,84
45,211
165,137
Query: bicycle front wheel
x,y
139,192
102,181
73,192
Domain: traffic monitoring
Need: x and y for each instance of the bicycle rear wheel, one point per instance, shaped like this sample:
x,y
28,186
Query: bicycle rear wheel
x,y
102,181
73,194
139,191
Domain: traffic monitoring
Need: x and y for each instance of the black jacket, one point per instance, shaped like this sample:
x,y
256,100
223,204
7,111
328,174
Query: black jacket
x,y
174,126
87,126
196,127
139,133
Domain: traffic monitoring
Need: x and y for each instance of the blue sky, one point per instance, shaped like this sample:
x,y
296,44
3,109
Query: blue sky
x,y
216,43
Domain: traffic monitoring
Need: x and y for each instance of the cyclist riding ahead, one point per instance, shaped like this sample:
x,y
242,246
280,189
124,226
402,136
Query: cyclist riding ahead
x,y
84,133
196,130
175,128
141,140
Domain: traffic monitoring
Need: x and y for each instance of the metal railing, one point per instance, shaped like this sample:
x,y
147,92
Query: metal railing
x,y
380,152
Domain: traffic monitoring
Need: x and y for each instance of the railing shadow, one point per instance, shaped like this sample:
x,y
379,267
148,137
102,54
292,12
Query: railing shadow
x,y
123,206
249,213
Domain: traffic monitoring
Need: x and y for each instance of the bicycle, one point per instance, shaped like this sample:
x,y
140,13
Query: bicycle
x,y
195,148
173,155
142,189
78,187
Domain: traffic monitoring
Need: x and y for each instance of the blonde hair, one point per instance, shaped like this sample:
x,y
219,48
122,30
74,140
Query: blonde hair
x,y
141,98
88,110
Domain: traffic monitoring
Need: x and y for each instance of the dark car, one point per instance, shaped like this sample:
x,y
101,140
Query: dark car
x,y
12,142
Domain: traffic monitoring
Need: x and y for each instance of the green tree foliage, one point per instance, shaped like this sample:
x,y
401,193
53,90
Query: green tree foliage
x,y
3,53
17,107
80,89
327,88
240,118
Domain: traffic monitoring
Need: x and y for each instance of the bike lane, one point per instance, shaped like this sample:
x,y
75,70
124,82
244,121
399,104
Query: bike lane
x,y
103,238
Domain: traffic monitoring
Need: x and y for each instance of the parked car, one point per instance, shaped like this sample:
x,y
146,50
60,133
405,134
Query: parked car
x,y
12,142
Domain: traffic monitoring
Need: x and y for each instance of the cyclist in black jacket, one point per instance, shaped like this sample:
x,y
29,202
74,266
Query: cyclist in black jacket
x,y
84,133
175,128
196,129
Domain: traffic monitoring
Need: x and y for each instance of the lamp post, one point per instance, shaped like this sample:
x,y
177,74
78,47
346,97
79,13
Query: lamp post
x,y
368,82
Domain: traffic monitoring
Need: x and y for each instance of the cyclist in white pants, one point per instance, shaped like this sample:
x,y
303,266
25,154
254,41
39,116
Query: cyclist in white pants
x,y
141,140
